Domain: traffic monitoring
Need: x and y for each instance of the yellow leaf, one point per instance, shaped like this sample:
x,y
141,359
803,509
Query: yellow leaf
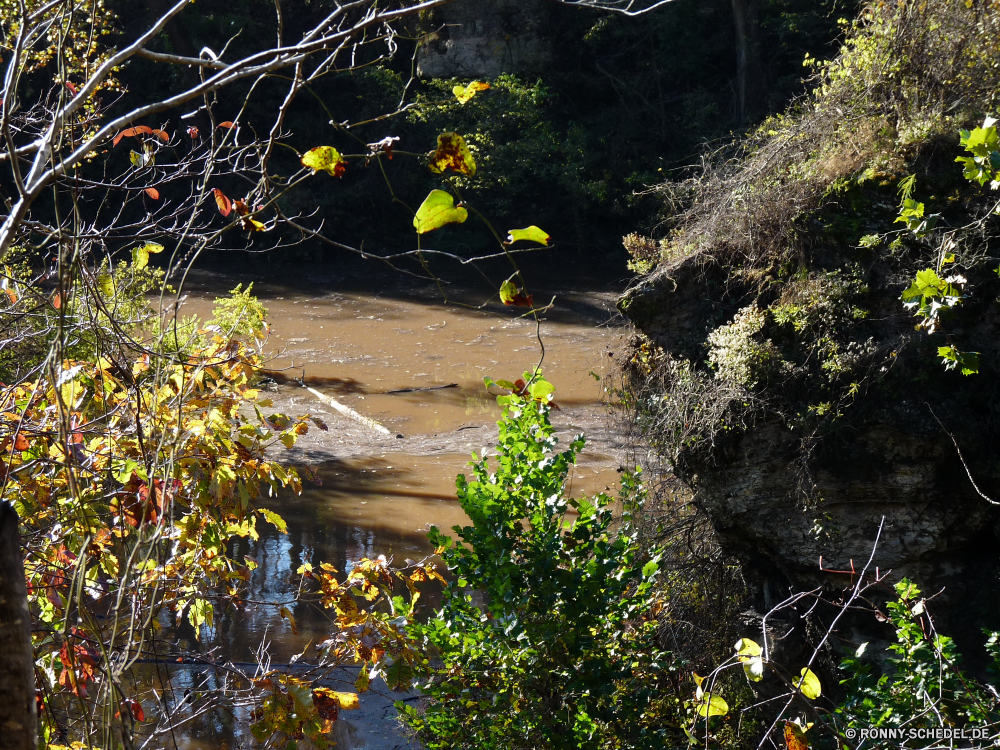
x,y
286,613
795,738
713,706
275,520
326,159
465,93
437,210
747,649
452,153
809,684
530,234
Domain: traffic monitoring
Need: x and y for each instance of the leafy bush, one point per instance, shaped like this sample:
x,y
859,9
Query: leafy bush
x,y
547,636
921,686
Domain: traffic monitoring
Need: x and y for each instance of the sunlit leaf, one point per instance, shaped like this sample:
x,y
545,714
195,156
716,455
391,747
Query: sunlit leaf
x,y
226,124
809,684
225,205
465,93
541,390
142,159
747,649
754,669
795,738
452,153
713,705
510,294
286,613
364,680
152,193
530,234
437,210
131,133
326,159
275,520
140,255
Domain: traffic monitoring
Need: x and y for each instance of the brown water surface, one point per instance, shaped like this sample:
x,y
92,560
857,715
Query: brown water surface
x,y
373,494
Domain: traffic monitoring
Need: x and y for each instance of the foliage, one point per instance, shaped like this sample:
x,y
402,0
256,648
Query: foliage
x,y
547,634
241,315
920,685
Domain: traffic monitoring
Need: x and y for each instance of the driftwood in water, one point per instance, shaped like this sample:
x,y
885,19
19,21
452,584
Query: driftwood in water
x,y
426,388
18,718
348,412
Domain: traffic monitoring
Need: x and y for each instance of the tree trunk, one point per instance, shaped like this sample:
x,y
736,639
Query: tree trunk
x,y
18,717
749,71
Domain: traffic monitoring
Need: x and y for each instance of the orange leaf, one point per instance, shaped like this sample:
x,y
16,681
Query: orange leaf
x,y
226,124
132,132
161,134
21,443
72,87
11,296
241,207
795,738
57,300
153,193
225,205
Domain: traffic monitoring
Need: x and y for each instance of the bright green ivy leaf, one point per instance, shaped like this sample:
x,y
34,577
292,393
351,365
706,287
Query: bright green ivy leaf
x,y
437,210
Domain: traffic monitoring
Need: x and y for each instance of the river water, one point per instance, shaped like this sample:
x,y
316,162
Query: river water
x,y
372,494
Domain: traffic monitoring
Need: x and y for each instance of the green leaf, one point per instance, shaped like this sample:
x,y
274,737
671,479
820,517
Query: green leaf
x,y
201,613
510,294
452,153
529,234
713,705
649,568
746,649
399,676
275,520
809,684
364,680
288,439
140,255
754,669
326,159
541,390
437,210
465,93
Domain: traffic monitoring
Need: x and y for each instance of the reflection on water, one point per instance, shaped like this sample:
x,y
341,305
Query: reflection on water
x,y
371,496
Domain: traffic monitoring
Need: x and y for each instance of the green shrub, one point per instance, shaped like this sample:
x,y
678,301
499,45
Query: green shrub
x,y
563,652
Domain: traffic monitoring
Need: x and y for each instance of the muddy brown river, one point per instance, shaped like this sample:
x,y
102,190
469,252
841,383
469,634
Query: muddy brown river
x,y
416,366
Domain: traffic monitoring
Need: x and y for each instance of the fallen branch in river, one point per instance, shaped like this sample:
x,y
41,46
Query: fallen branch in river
x,y
348,412
426,388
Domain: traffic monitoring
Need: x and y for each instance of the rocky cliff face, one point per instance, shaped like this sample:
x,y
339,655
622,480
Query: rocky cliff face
x,y
836,414
484,39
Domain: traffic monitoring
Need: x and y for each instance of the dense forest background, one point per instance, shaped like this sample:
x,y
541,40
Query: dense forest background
x,y
574,139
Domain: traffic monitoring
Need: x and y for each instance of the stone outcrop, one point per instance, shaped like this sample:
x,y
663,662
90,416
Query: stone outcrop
x,y
888,457
484,39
